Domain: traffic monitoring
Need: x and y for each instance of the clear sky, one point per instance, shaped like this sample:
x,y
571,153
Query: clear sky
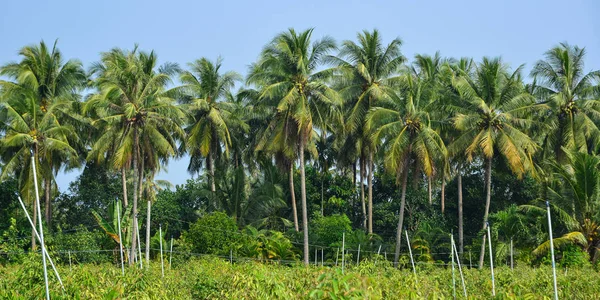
x,y
182,31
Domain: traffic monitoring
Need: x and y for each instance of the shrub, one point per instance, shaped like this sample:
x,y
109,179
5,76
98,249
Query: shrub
x,y
214,233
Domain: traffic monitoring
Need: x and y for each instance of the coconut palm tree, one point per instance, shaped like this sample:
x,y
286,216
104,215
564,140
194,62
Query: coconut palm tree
x,y
39,102
493,116
203,93
287,75
133,106
561,82
410,143
369,71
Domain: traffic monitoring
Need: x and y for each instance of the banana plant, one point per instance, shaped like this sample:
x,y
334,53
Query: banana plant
x,y
110,225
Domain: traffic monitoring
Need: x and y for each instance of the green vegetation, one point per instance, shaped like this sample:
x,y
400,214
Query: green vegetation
x,y
210,278
374,143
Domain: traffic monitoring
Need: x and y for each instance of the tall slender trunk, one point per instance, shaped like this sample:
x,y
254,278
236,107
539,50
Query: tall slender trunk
x,y
401,215
304,209
134,236
370,183
211,170
362,191
124,184
429,190
443,194
488,196
47,190
293,194
322,195
460,213
354,173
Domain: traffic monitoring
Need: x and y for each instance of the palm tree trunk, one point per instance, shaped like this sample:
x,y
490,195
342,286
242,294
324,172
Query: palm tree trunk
x,y
460,213
370,182
124,184
488,196
401,215
293,194
429,190
362,191
134,237
304,209
443,194
211,169
322,195
47,189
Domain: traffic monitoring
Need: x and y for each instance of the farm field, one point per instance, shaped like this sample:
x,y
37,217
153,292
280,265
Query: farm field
x,y
213,278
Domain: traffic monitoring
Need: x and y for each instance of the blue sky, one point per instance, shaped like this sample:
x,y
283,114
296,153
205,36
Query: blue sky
x,y
182,31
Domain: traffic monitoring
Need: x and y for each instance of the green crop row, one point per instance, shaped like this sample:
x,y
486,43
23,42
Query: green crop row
x,y
212,278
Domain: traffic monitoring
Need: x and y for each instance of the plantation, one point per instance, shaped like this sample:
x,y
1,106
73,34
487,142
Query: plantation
x,y
330,169
211,278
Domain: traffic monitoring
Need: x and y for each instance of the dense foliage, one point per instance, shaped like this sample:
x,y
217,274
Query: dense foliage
x,y
374,144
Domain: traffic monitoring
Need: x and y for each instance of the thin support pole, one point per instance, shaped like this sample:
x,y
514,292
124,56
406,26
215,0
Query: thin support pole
x,y
41,227
552,251
37,235
412,261
316,256
385,255
358,255
137,228
343,246
470,262
171,254
322,258
462,278
162,264
337,255
511,254
487,224
453,276
231,255
120,239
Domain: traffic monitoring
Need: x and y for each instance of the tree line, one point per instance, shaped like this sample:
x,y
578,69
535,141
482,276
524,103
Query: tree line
x,y
355,109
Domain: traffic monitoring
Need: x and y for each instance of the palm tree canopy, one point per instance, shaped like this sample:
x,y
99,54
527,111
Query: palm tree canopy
x,y
493,115
404,125
573,97
36,112
132,100
204,93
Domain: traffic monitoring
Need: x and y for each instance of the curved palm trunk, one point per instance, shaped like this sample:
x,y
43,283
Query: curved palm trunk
x,y
401,215
124,184
293,194
460,213
443,194
362,191
47,190
304,209
488,196
370,183
134,237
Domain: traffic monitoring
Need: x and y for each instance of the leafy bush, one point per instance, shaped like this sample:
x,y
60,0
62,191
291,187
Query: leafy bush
x,y
214,233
